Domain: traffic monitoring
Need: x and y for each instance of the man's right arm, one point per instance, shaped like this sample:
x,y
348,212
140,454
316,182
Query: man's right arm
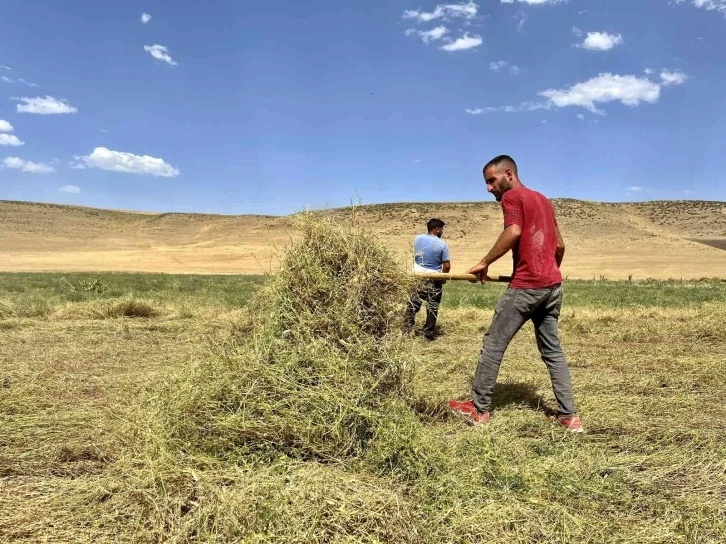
x,y
560,251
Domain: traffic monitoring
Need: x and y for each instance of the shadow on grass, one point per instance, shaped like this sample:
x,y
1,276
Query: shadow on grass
x,y
520,394
505,394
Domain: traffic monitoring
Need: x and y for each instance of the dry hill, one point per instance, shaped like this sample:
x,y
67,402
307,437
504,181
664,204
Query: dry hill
x,y
667,239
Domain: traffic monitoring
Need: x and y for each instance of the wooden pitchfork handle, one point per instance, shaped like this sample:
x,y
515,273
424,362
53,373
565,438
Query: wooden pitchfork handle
x,y
464,277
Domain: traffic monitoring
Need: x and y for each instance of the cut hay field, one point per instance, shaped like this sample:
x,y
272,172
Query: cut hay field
x,y
661,240
95,368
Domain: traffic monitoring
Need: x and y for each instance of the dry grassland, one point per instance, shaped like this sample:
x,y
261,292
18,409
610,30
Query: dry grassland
x,y
644,240
79,460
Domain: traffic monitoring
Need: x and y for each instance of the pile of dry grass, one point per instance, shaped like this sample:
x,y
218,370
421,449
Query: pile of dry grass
x,y
320,372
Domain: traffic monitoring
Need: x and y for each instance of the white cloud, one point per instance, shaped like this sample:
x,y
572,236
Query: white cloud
x,y
649,71
11,140
6,79
673,78
524,106
467,41
634,189
27,166
160,52
501,64
5,126
629,90
581,116
118,161
145,18
44,106
521,18
601,41
446,11
717,5
28,83
429,35
576,31
70,189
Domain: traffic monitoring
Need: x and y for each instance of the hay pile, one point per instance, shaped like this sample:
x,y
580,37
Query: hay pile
x,y
301,427
317,371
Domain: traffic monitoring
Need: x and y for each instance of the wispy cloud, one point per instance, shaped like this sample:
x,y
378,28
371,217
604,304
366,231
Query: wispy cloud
x,y
524,106
118,161
3,67
28,83
6,79
710,5
145,18
445,11
601,41
70,189
673,78
5,126
521,18
10,140
44,106
467,41
534,2
428,35
501,64
160,52
17,163
633,189
629,90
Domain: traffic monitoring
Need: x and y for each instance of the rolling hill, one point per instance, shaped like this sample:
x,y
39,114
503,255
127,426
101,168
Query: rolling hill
x,y
660,239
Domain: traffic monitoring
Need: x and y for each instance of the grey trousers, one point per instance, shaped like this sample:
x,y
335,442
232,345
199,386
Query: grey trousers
x,y
513,310
430,294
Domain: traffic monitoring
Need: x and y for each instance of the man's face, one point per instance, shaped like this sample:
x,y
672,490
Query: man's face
x,y
498,181
439,231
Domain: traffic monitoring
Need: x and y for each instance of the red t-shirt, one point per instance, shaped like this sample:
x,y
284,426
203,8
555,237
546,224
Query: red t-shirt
x,y
535,265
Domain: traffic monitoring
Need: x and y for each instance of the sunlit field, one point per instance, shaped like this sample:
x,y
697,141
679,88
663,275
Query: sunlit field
x,y
121,421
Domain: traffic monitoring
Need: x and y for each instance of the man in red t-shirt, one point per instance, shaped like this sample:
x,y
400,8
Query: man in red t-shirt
x,y
535,292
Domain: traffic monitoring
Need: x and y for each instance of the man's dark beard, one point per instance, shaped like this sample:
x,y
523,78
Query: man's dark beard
x,y
506,186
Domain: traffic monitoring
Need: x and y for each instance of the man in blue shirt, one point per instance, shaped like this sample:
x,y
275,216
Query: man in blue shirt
x,y
431,254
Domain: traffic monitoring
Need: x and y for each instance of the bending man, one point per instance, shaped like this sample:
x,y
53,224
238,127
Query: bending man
x,y
431,254
535,292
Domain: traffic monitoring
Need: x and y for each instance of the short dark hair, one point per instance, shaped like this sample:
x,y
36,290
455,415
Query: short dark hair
x,y
496,161
435,224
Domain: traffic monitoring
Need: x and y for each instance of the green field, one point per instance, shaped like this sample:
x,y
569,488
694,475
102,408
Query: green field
x,y
36,294
89,363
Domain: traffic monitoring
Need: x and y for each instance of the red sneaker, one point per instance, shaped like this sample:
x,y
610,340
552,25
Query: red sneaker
x,y
469,411
573,422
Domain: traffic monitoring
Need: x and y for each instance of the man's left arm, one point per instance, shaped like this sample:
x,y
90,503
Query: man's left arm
x,y
445,259
506,241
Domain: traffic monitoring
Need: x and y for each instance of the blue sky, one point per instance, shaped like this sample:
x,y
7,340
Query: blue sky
x,y
269,107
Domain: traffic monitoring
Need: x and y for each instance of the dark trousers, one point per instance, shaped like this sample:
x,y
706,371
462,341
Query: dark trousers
x,y
430,294
513,310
